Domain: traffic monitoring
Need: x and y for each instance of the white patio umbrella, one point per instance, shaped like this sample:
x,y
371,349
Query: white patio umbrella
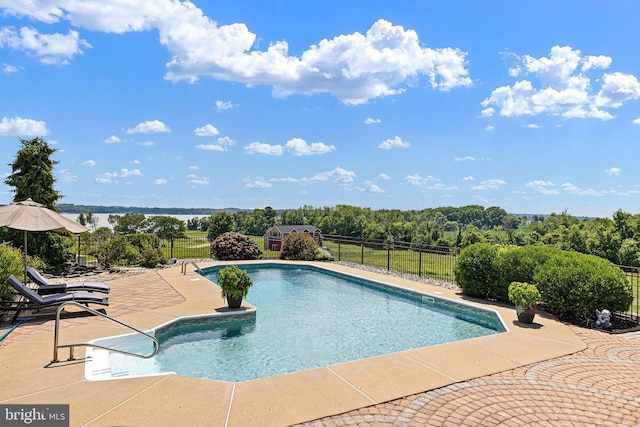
x,y
28,215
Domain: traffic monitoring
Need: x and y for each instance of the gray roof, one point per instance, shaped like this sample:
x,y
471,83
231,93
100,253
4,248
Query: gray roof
x,y
286,229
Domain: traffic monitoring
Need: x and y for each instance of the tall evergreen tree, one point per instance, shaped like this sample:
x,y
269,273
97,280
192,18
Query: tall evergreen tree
x,y
32,177
32,173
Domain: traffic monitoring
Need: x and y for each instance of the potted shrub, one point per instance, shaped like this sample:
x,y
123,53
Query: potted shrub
x,y
234,284
525,296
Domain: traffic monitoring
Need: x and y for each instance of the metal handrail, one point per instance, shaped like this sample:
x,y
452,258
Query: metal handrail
x,y
187,262
72,346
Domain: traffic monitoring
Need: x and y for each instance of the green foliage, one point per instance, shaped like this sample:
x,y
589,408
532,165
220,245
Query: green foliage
x,y
477,270
322,254
166,227
129,223
234,282
151,257
523,294
574,285
234,246
117,252
11,262
219,224
32,173
298,246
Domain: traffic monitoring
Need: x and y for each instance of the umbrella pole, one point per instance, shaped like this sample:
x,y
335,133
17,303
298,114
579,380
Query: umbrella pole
x,y
25,256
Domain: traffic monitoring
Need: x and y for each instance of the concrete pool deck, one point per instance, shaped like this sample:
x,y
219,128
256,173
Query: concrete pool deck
x,y
365,391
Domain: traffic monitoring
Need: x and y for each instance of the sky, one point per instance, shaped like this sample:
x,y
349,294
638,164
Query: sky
x,y
282,103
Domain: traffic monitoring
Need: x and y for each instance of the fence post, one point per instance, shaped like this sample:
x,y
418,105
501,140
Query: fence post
x,y
339,250
388,256
362,252
419,262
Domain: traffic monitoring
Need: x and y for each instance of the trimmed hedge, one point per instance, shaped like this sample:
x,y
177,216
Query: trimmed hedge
x,y
572,285
298,247
235,246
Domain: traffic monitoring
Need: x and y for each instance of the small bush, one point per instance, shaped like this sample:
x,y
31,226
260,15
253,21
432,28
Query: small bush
x,y
11,262
298,246
322,254
234,246
151,257
117,252
574,285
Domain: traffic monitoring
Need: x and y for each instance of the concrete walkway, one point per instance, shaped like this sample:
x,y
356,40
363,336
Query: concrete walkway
x,y
549,374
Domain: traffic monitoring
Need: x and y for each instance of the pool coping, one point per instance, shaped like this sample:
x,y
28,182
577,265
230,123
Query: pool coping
x,y
274,401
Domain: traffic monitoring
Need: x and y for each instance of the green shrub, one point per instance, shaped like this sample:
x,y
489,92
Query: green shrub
x,y
477,270
117,252
322,254
12,262
574,285
151,257
298,246
234,246
518,264
142,241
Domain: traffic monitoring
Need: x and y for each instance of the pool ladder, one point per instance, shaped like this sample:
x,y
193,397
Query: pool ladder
x,y
185,263
72,346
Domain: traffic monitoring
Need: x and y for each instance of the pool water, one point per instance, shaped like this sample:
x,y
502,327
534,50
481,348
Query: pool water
x,y
307,317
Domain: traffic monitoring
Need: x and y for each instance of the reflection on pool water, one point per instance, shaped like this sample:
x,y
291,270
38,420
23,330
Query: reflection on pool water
x,y
306,317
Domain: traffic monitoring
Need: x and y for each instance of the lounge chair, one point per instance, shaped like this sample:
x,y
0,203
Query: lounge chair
x,y
45,287
33,300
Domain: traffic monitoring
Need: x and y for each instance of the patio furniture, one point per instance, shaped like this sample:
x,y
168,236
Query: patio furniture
x,y
45,287
31,299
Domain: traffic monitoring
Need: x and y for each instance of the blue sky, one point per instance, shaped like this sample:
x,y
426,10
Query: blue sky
x,y
396,105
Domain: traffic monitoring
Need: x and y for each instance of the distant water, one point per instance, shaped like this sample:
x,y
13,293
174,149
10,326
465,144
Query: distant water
x,y
102,217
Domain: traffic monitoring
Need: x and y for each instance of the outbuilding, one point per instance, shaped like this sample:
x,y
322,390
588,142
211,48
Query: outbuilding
x,y
274,236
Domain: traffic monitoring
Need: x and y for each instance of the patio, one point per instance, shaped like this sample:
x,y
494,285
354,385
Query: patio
x,y
551,373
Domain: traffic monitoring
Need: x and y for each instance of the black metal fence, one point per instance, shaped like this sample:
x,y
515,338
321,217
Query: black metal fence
x,y
633,275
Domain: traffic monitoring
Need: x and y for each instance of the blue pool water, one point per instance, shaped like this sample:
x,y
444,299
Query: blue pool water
x,y
308,317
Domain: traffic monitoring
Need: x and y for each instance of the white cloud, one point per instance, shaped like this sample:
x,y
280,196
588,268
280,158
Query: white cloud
x,y
612,171
10,69
206,130
193,168
418,180
193,179
371,121
383,177
395,142
572,189
146,143
258,182
636,121
299,147
463,159
225,140
468,178
352,67
53,48
18,126
210,147
160,181
89,163
112,177
151,126
135,162
223,105
542,187
371,187
532,126
65,175
488,128
564,88
442,187
489,184
261,148
112,140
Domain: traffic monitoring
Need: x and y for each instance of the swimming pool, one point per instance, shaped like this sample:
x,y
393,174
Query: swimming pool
x,y
306,317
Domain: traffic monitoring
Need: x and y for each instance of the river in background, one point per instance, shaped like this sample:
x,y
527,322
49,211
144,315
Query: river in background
x,y
102,217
